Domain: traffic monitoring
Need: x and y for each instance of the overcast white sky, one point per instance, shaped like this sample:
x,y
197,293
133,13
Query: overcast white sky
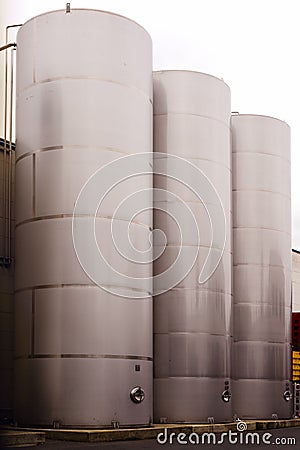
x,y
252,44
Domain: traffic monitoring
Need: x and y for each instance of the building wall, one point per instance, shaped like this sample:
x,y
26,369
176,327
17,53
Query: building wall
x,y
296,281
6,309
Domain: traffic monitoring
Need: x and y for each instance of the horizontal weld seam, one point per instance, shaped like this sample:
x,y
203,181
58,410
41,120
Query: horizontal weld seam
x,y
71,285
84,78
68,216
70,147
83,356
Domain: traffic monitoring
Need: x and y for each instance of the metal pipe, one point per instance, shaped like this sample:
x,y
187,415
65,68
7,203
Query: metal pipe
x,y
6,245
4,137
10,153
5,47
14,25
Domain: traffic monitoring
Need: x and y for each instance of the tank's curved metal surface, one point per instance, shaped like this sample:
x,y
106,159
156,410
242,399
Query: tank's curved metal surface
x,y
192,322
261,266
296,281
84,99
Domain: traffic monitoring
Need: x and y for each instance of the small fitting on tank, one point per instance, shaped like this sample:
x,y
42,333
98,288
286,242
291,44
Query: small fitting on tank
x,y
163,420
68,8
56,424
137,394
287,395
226,396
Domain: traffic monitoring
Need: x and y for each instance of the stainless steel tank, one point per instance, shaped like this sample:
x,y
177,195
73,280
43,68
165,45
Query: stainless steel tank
x,y
296,281
84,100
192,320
261,266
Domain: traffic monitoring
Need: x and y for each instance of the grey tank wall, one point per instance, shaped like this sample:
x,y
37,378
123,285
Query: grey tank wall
x,y
261,266
192,321
84,99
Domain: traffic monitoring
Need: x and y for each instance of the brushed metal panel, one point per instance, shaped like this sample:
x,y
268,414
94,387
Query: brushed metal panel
x,y
173,216
261,210
191,355
91,321
193,136
34,242
46,255
190,400
256,284
268,322
218,175
81,392
271,136
62,174
25,59
187,92
220,281
259,399
262,246
260,360
24,189
88,118
191,310
109,36
264,173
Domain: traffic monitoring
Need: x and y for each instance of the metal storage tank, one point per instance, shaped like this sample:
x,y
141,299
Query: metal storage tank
x,y
296,280
192,321
6,278
261,266
84,99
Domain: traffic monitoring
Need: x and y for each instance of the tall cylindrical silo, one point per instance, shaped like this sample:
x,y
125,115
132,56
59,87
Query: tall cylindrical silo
x,y
296,281
192,318
261,266
84,99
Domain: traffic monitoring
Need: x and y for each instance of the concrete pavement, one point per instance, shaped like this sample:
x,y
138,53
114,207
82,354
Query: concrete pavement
x,y
110,435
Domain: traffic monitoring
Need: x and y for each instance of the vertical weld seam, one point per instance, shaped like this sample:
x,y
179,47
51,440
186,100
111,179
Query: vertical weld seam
x,y
32,322
34,185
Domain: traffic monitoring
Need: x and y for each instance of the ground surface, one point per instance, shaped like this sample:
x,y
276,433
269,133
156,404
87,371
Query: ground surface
x,y
275,438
